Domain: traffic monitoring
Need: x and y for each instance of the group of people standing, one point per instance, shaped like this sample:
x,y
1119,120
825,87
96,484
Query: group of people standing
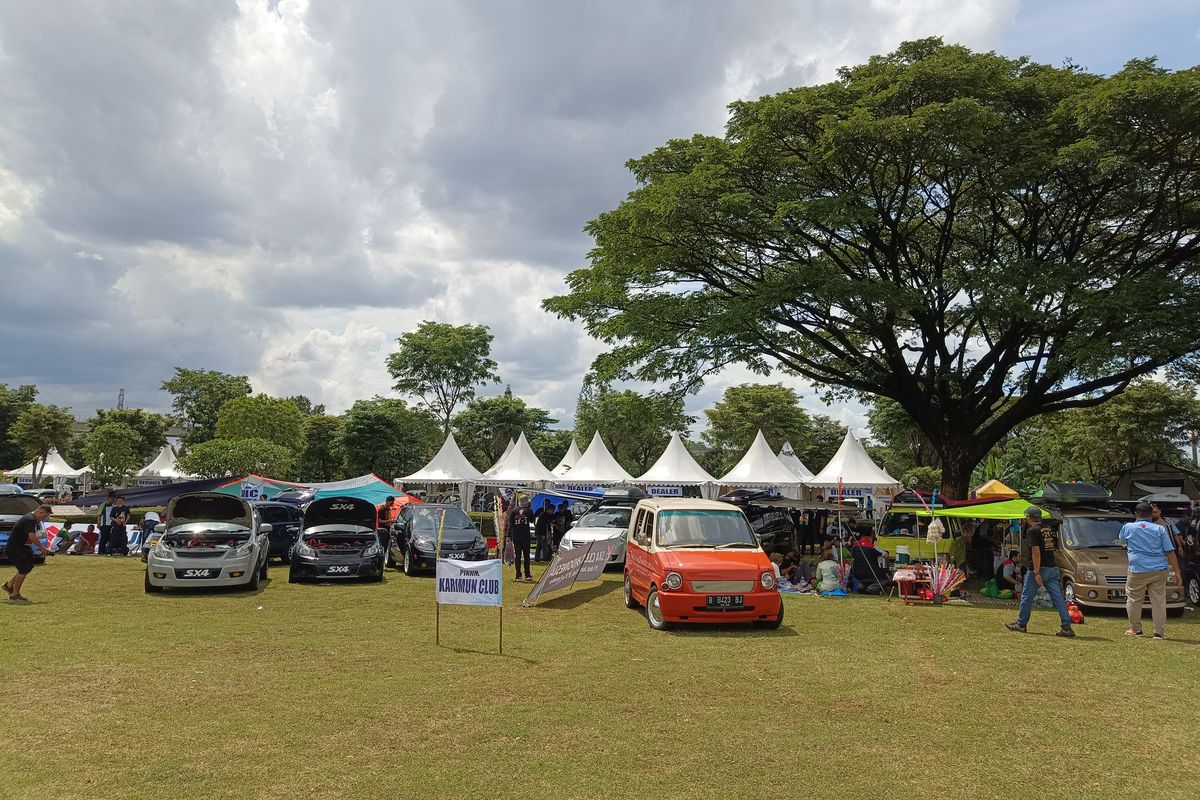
x,y
547,526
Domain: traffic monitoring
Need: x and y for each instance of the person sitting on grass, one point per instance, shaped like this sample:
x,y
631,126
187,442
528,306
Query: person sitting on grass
x,y
827,571
1009,575
869,566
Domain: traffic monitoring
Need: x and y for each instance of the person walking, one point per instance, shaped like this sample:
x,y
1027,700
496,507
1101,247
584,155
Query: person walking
x,y
104,521
24,535
1039,545
518,532
1151,552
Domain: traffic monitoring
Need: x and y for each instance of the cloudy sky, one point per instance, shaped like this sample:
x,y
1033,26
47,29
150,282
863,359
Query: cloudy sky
x,y
281,188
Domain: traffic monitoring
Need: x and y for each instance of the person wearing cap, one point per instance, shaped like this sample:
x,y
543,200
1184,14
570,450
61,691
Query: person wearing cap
x,y
1040,545
1151,552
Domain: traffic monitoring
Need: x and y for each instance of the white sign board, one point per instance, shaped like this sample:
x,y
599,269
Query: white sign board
x,y
251,491
666,491
470,583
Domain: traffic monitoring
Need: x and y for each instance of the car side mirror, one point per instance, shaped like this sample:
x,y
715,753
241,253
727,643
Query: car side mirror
x,y
266,527
160,528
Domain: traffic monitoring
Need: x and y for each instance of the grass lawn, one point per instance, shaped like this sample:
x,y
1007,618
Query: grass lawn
x,y
340,692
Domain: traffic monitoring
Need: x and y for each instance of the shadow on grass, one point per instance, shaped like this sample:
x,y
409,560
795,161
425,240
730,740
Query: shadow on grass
x,y
714,630
578,598
494,653
173,592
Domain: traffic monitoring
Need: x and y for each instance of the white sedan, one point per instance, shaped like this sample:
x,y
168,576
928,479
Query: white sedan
x,y
603,524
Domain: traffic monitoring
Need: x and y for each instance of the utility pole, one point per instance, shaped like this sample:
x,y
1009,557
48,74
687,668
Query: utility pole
x,y
121,400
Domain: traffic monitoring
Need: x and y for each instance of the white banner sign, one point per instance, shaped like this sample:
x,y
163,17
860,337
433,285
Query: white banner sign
x,y
251,491
666,491
470,583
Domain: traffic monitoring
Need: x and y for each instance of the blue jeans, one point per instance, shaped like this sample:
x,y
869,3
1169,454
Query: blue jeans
x,y
1052,580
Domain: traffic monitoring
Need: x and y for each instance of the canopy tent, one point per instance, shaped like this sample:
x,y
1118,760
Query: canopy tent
x,y
448,466
851,467
1001,509
139,496
760,467
569,460
370,487
995,490
790,460
519,468
596,467
163,466
55,467
504,455
676,467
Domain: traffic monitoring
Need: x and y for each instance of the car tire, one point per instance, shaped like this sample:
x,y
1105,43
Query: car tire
x,y
262,573
771,624
253,581
630,600
292,577
410,569
150,587
1193,590
379,578
654,612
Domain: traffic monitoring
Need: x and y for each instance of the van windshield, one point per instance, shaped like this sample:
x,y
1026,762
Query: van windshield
x,y
687,528
1086,532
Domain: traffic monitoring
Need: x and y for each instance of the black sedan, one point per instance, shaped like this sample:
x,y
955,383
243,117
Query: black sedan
x,y
337,541
415,535
285,520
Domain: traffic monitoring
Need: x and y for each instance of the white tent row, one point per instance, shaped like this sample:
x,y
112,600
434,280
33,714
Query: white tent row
x,y
164,466
852,468
55,467
596,467
568,460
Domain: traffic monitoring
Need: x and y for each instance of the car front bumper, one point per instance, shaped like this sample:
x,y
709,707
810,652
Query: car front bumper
x,y
691,607
191,573
426,560
336,569
1112,596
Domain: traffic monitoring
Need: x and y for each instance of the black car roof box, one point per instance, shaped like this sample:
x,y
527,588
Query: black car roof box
x,y
622,495
1071,494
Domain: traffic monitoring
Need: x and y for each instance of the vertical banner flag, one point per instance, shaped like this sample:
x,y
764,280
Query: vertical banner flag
x,y
470,583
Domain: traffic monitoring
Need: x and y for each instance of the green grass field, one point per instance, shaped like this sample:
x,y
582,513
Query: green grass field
x,y
340,692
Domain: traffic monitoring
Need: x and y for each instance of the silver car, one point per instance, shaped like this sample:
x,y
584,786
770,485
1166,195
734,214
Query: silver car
x,y
208,539
602,524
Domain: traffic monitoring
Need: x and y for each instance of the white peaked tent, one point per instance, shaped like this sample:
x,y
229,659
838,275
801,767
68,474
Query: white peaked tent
x,y
163,466
504,455
851,468
448,466
596,467
787,454
676,467
760,467
56,467
519,468
568,460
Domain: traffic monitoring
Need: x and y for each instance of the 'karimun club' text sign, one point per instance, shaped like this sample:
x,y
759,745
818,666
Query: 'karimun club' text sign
x,y
470,583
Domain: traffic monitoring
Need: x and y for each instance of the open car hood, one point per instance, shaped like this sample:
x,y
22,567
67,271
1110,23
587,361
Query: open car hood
x,y
16,505
340,510
209,507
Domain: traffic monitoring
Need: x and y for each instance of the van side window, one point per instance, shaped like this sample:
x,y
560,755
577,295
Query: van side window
x,y
648,528
639,528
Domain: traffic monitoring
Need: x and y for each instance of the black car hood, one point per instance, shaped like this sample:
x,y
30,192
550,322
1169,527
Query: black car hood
x,y
456,535
343,510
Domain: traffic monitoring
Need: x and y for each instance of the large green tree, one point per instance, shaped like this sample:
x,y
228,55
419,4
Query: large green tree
x,y
484,428
13,400
198,395
322,458
149,428
111,449
981,239
441,364
551,445
262,417
218,458
385,436
775,410
636,427
38,429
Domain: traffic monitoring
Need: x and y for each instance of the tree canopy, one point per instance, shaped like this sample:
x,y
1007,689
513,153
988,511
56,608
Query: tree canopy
x,y
112,450
981,239
38,429
322,458
774,409
149,429
636,427
13,400
484,427
198,395
262,417
385,436
218,458
441,364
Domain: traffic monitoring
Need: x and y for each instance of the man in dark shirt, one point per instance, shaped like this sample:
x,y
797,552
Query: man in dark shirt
x,y
518,531
543,522
1039,545
24,535
119,535
563,520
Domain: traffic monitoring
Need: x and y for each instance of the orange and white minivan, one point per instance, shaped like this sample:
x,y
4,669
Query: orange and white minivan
x,y
692,560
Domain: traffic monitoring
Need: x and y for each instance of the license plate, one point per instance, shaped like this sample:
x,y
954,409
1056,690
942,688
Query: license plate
x,y
725,601
1116,594
197,573
338,570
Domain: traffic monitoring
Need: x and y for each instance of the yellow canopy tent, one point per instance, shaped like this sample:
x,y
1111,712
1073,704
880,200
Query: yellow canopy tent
x,y
995,490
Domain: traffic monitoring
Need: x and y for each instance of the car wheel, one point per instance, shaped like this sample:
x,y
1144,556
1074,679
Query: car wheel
x,y
772,624
630,600
1068,589
150,587
379,578
410,568
253,581
654,614
292,577
1193,591
391,559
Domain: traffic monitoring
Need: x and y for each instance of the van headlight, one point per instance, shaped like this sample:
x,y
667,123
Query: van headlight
x,y
767,580
1089,576
673,581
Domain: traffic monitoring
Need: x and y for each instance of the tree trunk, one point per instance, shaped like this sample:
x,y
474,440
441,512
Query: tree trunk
x,y
958,462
